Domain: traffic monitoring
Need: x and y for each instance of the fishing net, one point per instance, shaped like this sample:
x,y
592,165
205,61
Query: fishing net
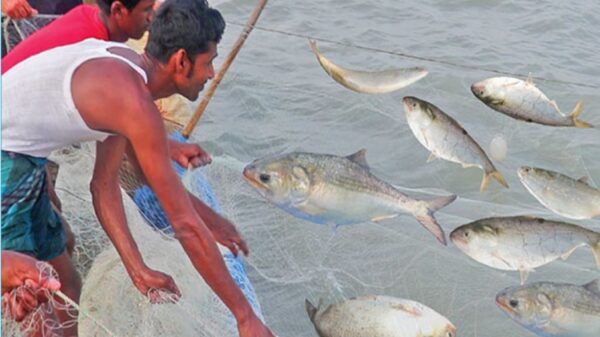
x,y
15,31
292,260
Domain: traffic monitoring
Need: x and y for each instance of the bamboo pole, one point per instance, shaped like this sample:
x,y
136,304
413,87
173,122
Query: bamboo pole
x,y
187,131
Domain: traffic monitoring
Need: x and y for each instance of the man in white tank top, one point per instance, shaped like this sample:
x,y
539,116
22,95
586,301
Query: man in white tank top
x,y
103,91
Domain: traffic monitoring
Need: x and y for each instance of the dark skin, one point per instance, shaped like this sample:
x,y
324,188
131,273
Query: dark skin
x,y
135,119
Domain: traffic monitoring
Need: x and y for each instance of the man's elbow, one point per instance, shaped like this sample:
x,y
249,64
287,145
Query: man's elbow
x,y
98,188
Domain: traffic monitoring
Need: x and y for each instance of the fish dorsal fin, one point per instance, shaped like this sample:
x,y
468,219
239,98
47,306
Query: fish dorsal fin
x,y
593,286
584,180
411,310
530,79
359,157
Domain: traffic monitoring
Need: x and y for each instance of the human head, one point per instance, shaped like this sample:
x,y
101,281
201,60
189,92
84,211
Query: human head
x,y
184,36
127,18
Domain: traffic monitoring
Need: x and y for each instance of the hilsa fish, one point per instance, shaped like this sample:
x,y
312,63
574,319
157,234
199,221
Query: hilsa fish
x,y
329,189
522,243
446,139
379,316
554,309
524,101
563,195
377,82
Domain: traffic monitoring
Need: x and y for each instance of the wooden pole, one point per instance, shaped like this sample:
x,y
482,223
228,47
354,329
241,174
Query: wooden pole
x,y
187,131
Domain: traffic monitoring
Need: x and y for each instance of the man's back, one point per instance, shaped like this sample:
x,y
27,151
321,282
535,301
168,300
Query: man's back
x,y
83,22
48,76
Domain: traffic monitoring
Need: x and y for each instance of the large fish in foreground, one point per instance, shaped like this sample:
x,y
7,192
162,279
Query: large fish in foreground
x,y
522,243
561,194
446,139
554,309
379,316
523,100
378,82
328,189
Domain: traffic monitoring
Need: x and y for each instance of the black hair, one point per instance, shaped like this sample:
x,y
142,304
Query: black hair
x,y
105,4
184,24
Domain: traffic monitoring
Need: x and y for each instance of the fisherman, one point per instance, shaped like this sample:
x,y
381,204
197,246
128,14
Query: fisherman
x,y
178,59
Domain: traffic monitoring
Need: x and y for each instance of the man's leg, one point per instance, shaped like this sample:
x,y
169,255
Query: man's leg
x,y
71,286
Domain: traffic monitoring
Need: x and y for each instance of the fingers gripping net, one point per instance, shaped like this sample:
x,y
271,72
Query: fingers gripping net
x,y
40,318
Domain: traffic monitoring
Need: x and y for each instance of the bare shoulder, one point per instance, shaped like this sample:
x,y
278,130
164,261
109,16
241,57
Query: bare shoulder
x,y
107,92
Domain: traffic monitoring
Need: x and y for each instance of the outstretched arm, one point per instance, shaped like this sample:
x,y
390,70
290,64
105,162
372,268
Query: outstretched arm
x,y
108,204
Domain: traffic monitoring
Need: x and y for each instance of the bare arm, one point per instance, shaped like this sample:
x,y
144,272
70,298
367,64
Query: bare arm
x,y
108,204
135,116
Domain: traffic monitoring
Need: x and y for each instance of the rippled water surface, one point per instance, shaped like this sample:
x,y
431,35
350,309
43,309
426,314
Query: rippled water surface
x,y
276,98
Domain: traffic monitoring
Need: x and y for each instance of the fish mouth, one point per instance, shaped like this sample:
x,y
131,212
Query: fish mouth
x,y
249,174
458,240
477,89
522,171
501,301
408,104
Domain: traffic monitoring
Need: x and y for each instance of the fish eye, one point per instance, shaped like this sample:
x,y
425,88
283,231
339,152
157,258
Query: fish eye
x,y
265,178
466,234
482,92
449,334
513,303
414,105
527,169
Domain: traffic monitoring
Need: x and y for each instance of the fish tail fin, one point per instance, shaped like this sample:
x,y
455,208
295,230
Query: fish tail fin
x,y
575,114
428,220
488,176
310,309
596,251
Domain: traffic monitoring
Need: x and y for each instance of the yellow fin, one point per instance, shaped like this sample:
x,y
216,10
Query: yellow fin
x,y
575,113
488,176
596,251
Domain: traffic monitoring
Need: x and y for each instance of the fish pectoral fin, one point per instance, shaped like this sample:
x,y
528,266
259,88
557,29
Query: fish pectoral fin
x,y
383,217
524,275
568,253
409,310
432,157
499,257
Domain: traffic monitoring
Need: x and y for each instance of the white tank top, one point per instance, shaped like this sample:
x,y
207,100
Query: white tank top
x,y
38,112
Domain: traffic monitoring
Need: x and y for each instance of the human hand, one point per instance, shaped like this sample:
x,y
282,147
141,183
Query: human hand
x,y
253,327
226,234
25,285
151,282
18,9
188,154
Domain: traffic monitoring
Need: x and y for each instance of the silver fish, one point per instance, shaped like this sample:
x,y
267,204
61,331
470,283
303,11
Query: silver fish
x,y
554,309
379,316
522,243
524,101
328,189
446,139
561,194
379,82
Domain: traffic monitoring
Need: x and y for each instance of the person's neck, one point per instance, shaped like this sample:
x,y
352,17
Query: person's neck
x,y
159,83
114,33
